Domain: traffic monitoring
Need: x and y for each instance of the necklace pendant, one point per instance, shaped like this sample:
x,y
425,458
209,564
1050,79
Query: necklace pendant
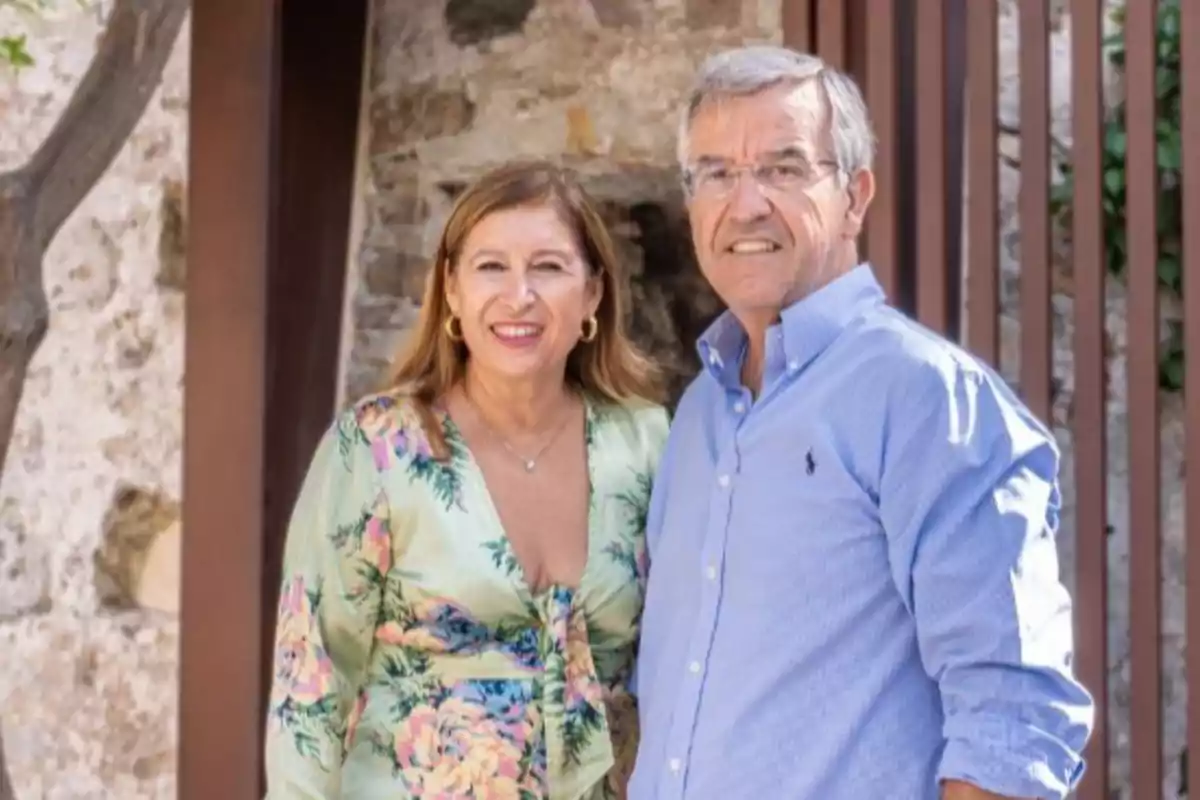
x,y
529,465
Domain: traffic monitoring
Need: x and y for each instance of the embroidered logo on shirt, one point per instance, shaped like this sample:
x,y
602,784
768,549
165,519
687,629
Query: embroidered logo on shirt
x,y
810,464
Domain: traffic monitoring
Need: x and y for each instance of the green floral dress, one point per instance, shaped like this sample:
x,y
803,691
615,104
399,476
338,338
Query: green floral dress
x,y
412,659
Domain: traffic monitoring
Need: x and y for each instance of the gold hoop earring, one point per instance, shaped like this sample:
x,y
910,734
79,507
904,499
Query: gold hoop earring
x,y
453,333
590,329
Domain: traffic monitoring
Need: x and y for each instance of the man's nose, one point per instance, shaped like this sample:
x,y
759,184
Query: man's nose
x,y
747,201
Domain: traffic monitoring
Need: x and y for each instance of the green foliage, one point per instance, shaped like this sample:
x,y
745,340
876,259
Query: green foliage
x,y
1169,157
14,52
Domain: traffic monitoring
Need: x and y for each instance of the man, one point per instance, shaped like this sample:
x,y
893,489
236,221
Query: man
x,y
853,588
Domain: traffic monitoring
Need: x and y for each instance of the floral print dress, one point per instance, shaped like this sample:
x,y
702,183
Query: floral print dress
x,y
413,660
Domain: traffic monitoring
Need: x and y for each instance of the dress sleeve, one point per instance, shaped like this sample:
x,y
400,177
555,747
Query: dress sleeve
x,y
337,555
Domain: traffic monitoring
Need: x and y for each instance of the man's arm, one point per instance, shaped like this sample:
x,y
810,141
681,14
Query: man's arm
x,y
969,500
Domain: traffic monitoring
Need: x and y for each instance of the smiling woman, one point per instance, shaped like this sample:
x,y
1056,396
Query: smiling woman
x,y
465,566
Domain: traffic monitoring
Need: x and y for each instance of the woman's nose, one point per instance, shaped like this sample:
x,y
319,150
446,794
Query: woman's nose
x,y
519,290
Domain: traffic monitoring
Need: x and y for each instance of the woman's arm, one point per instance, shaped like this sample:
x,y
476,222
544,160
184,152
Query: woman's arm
x,y
337,556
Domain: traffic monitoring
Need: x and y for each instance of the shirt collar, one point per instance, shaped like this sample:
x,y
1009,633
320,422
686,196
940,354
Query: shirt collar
x,y
805,328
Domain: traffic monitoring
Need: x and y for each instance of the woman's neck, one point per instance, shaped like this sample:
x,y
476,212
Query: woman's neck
x,y
517,407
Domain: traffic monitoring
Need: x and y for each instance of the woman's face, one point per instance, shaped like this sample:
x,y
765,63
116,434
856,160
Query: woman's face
x,y
521,290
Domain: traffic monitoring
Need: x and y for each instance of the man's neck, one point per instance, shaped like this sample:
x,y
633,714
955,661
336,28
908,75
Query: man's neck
x,y
756,352
757,322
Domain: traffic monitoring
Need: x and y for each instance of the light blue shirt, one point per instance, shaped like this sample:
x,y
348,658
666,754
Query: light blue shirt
x,y
854,587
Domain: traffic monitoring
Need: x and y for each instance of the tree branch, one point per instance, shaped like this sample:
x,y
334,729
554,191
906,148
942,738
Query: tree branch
x,y
107,104
36,199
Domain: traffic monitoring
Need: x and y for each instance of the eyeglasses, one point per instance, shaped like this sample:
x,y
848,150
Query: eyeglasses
x,y
718,180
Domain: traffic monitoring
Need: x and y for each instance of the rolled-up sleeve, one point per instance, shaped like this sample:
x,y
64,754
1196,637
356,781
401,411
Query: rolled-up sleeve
x,y
969,498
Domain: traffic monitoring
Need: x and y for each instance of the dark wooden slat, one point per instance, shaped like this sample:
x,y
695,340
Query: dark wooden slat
x,y
320,94
232,96
798,25
932,266
831,32
1189,31
1091,387
983,240
1142,248
1035,206
881,94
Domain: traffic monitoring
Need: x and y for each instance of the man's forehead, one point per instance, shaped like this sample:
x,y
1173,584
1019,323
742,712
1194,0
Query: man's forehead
x,y
792,112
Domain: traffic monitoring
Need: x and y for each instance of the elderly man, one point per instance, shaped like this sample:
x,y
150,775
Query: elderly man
x,y
853,587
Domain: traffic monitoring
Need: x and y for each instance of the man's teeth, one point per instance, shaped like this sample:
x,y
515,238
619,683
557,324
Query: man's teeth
x,y
516,331
753,246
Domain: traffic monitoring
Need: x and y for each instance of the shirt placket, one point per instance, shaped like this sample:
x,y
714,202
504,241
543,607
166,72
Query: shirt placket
x,y
725,479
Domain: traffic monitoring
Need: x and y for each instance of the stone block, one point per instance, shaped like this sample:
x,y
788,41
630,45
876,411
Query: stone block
x,y
713,13
158,585
394,274
137,519
620,13
93,706
474,22
24,576
417,113
172,238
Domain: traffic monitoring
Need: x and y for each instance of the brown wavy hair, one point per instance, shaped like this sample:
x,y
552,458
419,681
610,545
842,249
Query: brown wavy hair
x,y
610,367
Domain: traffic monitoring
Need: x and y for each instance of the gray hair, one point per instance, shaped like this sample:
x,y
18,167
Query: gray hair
x,y
755,68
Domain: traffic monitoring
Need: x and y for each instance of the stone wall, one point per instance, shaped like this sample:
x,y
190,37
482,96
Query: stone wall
x,y
89,501
457,89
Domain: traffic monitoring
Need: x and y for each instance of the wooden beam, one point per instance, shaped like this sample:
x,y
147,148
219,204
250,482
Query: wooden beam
x,y
276,98
320,87
231,123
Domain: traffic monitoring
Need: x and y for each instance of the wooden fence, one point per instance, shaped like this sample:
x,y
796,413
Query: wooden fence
x,y
929,69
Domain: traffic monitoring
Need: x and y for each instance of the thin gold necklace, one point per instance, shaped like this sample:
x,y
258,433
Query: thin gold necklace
x,y
529,463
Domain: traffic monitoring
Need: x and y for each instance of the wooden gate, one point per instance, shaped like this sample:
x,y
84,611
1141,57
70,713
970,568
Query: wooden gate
x,y
929,70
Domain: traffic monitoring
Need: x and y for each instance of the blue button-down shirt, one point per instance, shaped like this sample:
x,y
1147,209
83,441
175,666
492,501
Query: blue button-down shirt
x,y
854,586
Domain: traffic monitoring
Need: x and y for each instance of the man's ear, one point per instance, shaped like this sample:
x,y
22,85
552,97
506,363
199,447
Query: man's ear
x,y
861,190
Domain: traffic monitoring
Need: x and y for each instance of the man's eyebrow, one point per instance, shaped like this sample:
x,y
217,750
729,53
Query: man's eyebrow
x,y
790,152
786,153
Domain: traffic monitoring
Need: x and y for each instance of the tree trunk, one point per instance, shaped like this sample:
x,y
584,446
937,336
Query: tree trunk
x,y
37,198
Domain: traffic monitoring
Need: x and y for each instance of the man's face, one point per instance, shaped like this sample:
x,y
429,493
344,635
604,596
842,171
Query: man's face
x,y
770,217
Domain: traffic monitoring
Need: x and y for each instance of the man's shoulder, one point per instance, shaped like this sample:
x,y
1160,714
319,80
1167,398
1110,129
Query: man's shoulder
x,y
892,345
701,391
919,373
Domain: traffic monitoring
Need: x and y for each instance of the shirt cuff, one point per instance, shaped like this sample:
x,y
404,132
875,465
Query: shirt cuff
x,y
1009,758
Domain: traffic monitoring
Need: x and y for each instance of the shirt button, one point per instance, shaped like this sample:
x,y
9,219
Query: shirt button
x,y
694,667
675,765
739,407
723,481
793,365
711,573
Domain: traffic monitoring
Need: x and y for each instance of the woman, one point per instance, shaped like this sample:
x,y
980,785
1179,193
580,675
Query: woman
x,y
464,568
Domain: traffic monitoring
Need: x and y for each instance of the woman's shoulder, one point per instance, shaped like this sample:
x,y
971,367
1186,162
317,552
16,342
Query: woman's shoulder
x,y
392,423
380,413
641,423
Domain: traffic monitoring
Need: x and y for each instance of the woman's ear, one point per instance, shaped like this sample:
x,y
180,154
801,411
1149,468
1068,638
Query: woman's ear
x,y
453,300
595,293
